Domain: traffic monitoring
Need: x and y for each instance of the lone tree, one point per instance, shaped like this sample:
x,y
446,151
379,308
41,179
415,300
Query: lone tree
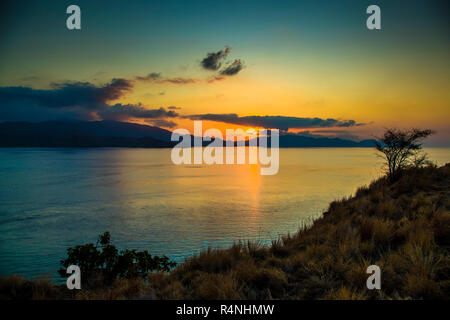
x,y
402,149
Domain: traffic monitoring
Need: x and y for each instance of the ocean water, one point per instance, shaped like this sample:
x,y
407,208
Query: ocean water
x,y
51,199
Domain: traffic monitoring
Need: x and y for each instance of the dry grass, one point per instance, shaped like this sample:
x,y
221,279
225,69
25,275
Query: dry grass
x,y
403,227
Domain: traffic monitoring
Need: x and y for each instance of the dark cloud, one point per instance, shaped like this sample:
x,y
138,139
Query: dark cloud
x,y
233,68
85,101
68,94
150,77
161,123
121,112
74,100
280,122
158,78
26,109
213,60
178,80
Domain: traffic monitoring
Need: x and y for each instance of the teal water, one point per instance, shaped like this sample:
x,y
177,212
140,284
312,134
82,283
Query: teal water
x,y
51,199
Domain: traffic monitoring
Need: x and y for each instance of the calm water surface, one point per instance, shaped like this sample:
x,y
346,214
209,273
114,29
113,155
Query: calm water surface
x,y
51,199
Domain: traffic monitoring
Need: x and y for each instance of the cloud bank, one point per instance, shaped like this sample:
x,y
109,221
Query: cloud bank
x,y
278,122
76,101
86,101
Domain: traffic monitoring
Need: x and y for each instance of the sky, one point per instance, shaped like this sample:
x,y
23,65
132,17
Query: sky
x,y
307,67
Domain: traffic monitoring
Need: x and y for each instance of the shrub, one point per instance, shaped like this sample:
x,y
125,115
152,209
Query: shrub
x,y
104,263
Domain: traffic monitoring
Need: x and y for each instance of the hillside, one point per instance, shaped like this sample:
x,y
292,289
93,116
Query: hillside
x,y
82,134
403,227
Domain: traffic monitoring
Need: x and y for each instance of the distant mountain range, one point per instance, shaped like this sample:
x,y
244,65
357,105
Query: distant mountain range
x,y
123,134
299,141
82,134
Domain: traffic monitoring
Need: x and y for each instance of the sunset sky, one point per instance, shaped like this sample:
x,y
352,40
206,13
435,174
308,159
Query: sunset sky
x,y
309,66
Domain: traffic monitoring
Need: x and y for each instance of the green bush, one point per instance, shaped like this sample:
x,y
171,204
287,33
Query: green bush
x,y
104,263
